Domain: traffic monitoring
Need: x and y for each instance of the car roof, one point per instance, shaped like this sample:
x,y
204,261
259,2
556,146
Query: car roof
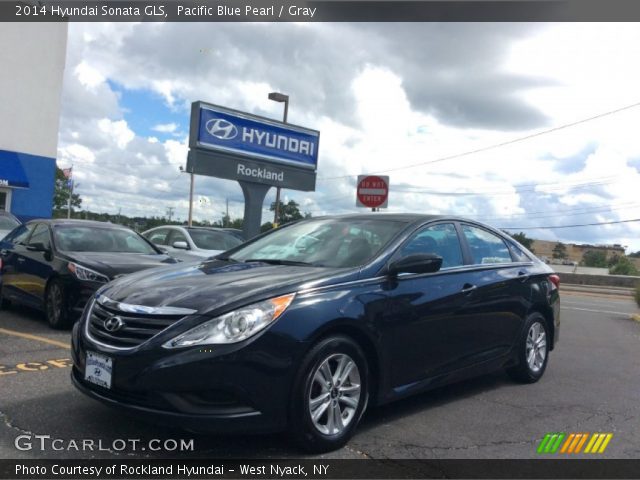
x,y
217,229
409,218
401,217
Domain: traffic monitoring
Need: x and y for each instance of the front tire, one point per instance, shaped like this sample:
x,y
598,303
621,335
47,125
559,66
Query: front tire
x,y
330,395
532,351
55,306
4,303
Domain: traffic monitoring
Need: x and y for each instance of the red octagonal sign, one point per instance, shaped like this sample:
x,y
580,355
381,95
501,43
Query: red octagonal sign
x,y
373,191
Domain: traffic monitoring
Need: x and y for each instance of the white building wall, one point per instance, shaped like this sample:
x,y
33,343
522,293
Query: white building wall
x,y
32,60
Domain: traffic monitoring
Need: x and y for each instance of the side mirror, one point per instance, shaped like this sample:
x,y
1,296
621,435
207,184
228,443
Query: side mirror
x,y
417,263
181,245
37,247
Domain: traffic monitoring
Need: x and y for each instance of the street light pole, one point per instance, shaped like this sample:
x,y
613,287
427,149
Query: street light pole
x,y
279,97
191,199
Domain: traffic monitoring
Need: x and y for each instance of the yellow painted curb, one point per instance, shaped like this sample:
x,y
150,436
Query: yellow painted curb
x,y
635,317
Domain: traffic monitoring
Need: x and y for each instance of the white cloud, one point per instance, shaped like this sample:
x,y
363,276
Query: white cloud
x,y
88,76
118,131
165,127
378,107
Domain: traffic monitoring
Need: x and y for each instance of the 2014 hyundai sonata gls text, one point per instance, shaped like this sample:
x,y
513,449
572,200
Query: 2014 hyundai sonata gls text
x,y
304,327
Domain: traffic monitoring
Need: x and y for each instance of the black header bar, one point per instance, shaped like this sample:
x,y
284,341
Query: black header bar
x,y
321,11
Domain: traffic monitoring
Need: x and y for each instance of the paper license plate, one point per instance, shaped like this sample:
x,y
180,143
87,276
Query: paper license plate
x,y
98,369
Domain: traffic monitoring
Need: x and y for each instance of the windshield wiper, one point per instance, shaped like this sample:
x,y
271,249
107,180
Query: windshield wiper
x,y
277,261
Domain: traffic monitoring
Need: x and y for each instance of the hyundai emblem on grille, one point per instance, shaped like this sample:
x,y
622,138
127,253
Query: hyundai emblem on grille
x,y
113,324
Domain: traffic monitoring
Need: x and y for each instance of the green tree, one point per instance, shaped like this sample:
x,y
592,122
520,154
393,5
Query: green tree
x,y
266,226
61,193
560,251
522,239
594,258
289,212
613,260
624,267
634,254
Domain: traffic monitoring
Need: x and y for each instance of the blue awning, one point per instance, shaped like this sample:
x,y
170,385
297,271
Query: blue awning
x,y
11,171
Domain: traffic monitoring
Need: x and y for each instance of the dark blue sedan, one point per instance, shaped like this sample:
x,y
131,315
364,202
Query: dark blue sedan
x,y
303,327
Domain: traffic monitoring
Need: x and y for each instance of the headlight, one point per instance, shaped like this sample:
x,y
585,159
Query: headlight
x,y
234,326
84,273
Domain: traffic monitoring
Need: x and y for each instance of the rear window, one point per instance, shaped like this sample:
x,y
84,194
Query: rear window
x,y
214,240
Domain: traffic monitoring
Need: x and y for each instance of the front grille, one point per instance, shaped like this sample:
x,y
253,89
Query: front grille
x,y
137,328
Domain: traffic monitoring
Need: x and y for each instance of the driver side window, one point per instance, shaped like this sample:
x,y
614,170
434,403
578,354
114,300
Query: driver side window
x,y
441,239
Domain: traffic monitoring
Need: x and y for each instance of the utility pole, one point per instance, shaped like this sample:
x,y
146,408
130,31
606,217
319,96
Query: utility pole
x,y
227,215
279,97
170,213
191,199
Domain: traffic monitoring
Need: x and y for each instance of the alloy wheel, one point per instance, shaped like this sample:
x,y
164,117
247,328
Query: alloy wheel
x,y
334,395
536,346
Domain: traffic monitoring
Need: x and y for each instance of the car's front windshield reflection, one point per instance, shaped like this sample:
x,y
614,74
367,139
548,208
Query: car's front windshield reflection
x,y
323,242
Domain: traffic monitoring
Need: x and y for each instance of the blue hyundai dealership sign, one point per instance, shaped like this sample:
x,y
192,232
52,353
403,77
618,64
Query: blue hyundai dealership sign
x,y
258,152
260,138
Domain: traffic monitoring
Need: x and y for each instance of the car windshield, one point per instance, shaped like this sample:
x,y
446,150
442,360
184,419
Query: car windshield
x,y
343,242
213,239
8,223
99,239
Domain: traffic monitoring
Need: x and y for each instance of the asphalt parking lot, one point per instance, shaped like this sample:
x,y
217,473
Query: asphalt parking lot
x,y
592,384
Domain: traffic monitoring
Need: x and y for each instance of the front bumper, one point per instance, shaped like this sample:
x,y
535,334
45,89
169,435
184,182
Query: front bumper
x,y
229,388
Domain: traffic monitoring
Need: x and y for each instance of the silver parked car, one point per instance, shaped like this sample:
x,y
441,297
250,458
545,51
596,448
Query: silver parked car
x,y
192,243
7,223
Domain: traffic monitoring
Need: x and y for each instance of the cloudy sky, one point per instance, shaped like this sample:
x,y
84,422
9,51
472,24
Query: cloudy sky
x,y
419,102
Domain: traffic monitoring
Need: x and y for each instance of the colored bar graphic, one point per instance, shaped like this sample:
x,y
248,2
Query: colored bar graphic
x,y
581,443
572,443
544,442
565,447
605,443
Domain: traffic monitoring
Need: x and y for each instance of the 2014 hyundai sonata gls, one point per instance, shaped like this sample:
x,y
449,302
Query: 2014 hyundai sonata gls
x,y
303,327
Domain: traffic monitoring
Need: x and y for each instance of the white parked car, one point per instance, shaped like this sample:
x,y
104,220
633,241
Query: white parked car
x,y
7,223
192,243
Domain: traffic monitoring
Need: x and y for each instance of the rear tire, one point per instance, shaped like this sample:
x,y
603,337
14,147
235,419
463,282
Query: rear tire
x,y
55,306
330,395
532,351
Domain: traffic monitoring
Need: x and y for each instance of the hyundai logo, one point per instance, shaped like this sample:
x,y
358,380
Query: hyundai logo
x,y
222,129
113,324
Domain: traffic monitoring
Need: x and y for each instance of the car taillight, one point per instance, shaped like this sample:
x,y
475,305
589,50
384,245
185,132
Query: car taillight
x,y
555,280
0,264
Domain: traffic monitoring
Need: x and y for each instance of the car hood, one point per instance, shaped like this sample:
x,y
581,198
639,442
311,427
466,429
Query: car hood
x,y
209,285
115,264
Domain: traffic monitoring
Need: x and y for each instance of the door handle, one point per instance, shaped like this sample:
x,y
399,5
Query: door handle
x,y
468,288
523,276
20,260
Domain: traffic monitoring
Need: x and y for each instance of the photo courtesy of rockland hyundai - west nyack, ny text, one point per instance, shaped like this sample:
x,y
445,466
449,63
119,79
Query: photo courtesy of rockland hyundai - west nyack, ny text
x,y
328,239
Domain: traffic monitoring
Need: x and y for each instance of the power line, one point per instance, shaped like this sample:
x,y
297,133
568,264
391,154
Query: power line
x,y
496,145
518,188
573,212
571,226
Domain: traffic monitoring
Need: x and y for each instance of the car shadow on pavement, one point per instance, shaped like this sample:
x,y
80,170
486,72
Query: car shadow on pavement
x,y
66,414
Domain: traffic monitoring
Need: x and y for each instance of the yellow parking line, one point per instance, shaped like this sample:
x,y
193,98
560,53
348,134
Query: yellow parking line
x,y
37,338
